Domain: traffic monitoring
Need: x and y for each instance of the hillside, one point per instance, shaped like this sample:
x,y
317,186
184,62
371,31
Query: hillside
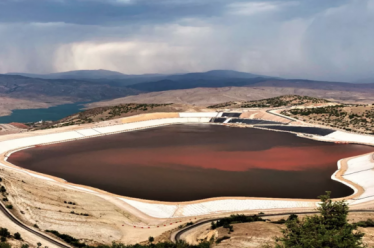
x,y
45,92
358,118
281,101
212,96
106,74
113,112
202,88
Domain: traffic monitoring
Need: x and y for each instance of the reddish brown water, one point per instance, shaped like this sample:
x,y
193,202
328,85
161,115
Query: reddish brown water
x,y
190,162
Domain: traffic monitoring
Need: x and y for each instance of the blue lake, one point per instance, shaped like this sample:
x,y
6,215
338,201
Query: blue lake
x,y
46,114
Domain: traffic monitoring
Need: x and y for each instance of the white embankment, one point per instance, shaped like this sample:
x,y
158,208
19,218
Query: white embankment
x,y
349,137
213,207
360,170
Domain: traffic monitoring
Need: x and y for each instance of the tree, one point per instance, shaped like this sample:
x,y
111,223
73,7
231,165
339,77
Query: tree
x,y
330,229
17,236
4,245
4,232
39,244
151,239
25,246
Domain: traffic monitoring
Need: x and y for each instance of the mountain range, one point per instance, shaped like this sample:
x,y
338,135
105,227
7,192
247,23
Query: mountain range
x,y
98,85
110,75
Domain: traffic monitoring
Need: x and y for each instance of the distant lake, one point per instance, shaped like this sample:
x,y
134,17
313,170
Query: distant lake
x,y
46,114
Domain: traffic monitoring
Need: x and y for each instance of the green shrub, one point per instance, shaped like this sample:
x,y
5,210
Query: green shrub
x,y
368,223
4,232
17,236
233,219
4,245
67,238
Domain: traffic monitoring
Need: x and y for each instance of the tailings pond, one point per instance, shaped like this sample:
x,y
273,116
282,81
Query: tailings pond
x,y
191,162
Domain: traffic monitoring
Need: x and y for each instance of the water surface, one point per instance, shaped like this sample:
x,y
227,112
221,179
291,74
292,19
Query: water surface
x,y
191,162
46,114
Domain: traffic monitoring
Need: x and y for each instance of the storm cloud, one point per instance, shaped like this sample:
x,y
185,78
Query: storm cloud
x,y
316,39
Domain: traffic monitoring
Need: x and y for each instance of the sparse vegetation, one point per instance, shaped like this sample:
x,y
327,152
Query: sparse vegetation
x,y
359,118
281,101
234,219
367,223
102,114
67,238
76,243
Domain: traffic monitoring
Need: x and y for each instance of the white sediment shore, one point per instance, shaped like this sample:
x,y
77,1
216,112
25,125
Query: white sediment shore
x,y
359,170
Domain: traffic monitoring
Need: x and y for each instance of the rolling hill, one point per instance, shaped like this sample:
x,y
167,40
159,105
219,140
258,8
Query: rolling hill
x,y
75,90
191,88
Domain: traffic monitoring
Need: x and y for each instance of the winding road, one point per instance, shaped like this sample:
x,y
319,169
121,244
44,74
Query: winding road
x,y
25,227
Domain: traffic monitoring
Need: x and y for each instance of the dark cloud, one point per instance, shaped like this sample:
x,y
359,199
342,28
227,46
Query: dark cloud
x,y
290,38
110,12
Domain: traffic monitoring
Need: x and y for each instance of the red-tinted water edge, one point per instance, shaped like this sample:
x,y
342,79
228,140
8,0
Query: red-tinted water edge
x,y
191,162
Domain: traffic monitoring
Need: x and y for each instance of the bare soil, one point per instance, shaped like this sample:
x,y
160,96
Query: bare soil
x,y
210,96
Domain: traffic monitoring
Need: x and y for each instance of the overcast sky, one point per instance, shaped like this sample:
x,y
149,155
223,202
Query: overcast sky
x,y
315,39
